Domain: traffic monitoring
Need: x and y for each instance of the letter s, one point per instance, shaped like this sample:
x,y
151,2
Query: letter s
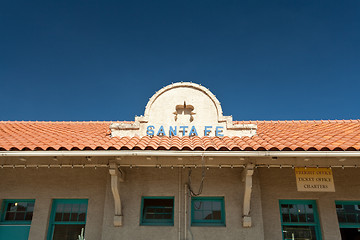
x,y
150,130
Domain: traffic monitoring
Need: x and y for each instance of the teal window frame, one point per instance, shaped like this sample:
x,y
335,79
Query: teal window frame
x,y
4,205
156,222
208,222
52,221
315,224
348,224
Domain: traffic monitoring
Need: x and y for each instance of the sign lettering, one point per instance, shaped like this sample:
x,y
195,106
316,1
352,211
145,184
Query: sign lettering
x,y
151,130
314,180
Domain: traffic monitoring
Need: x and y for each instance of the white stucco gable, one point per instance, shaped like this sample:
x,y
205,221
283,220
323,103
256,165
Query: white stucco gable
x,y
183,109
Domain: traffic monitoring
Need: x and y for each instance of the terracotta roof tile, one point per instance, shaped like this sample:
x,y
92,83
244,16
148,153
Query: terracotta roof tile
x,y
321,135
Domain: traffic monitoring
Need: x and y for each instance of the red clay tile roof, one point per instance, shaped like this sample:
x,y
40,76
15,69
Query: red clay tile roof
x,y
335,135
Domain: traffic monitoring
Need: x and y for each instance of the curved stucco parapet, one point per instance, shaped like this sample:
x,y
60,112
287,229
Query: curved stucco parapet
x,y
199,89
186,108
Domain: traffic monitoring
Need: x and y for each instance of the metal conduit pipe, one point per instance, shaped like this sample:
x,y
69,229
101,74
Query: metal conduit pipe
x,y
165,153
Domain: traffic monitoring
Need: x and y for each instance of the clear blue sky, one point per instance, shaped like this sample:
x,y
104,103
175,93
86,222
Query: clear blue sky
x,y
103,60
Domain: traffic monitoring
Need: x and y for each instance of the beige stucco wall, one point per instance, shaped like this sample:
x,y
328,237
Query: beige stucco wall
x,y
279,184
44,184
269,186
165,182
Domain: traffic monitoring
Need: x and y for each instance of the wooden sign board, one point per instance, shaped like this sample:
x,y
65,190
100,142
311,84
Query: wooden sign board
x,y
314,180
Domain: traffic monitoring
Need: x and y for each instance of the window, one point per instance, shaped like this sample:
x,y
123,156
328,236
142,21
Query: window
x,y
207,211
15,219
157,211
299,220
348,213
17,211
67,219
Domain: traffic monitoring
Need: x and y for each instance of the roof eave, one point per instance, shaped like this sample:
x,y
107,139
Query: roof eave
x,y
167,153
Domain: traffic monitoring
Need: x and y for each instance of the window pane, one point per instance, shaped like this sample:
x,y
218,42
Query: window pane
x,y
293,218
167,216
198,205
70,212
285,212
30,207
74,217
293,213
341,217
197,215
207,215
74,212
351,218
348,213
207,205
18,210
67,211
216,206
301,212
310,217
21,207
286,218
207,211
75,207
66,217
285,208
11,207
67,231
58,217
167,210
304,216
216,215
81,217
28,216
10,216
299,232
158,216
59,207
157,211
349,208
20,216
67,208
83,207
149,216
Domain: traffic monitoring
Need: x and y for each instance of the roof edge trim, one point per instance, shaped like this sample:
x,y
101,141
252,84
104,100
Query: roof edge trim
x,y
166,153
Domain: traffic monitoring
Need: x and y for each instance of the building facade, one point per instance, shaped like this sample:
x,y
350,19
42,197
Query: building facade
x,y
180,171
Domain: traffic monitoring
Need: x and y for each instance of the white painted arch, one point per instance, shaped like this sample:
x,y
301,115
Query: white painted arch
x,y
199,88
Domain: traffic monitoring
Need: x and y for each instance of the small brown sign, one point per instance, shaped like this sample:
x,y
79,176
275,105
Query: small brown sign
x,y
314,180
